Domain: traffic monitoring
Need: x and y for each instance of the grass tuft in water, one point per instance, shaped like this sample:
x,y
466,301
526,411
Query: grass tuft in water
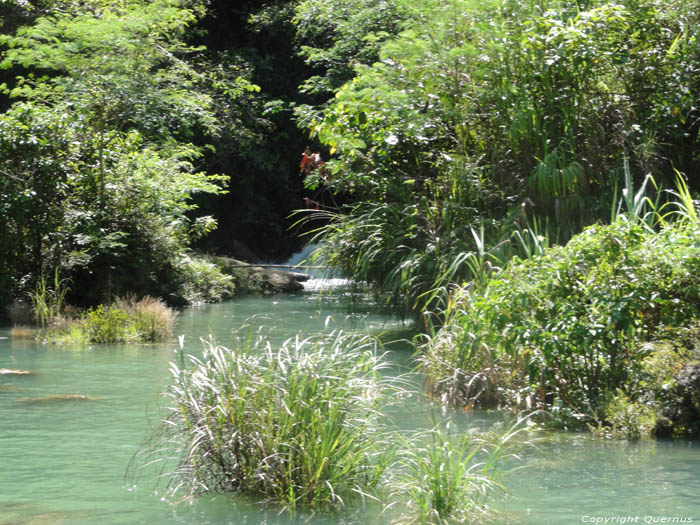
x,y
300,426
446,477
128,320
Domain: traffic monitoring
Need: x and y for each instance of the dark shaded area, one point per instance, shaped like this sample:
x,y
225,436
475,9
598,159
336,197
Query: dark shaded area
x,y
265,185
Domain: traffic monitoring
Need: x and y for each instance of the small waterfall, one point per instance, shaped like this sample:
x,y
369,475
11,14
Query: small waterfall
x,y
320,278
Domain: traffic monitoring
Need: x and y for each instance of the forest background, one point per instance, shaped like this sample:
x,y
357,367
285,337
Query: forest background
x,y
131,129
518,177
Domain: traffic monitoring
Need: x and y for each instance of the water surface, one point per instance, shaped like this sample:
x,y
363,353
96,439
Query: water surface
x,y
64,461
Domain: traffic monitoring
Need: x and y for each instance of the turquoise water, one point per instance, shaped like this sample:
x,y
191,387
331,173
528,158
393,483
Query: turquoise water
x,y
65,461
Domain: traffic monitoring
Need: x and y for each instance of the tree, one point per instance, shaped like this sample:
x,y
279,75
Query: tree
x,y
96,156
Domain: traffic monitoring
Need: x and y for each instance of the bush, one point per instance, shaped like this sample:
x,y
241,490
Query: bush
x,y
627,419
300,425
106,325
203,281
128,320
564,331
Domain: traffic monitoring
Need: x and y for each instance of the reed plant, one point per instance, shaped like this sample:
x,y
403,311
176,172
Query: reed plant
x,y
300,425
48,301
19,332
153,320
411,256
450,477
127,320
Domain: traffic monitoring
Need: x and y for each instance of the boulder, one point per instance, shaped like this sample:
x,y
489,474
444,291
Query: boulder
x,y
689,381
251,278
680,414
57,398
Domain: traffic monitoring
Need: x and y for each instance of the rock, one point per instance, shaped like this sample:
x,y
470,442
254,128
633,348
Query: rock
x,y
301,277
13,372
680,414
274,281
689,380
250,278
58,397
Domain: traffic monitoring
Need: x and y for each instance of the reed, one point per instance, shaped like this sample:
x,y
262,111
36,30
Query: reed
x,y
153,320
300,425
127,320
450,477
47,301
19,332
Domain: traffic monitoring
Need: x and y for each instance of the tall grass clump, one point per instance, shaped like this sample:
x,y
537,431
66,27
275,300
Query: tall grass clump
x,y
153,320
300,425
48,301
127,320
451,477
565,331
410,255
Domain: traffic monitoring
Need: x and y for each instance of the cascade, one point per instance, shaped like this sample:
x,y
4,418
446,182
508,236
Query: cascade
x,y
319,278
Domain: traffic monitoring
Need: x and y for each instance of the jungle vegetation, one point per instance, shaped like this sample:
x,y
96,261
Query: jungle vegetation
x,y
519,177
456,145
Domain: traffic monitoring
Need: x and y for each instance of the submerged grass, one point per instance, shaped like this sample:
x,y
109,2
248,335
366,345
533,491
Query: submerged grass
x,y
450,477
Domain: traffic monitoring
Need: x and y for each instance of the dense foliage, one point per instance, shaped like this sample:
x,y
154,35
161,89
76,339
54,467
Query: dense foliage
x,y
98,174
455,134
487,114
565,331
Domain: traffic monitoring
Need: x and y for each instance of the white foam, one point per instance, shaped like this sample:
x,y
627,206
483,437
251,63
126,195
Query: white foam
x,y
322,283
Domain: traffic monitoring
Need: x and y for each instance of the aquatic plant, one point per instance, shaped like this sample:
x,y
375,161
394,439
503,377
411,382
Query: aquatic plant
x,y
22,332
153,320
450,477
48,301
127,320
106,324
300,425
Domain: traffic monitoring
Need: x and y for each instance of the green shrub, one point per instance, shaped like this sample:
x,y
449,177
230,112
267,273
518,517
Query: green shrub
x,y
300,425
106,325
627,419
203,281
563,331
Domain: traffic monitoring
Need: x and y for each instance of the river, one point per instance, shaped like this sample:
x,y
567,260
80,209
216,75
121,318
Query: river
x,y
65,461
